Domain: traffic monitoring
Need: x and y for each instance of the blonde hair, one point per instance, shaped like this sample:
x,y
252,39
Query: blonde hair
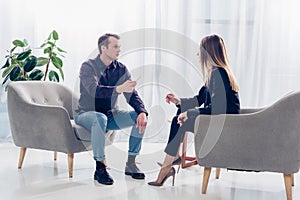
x,y
213,52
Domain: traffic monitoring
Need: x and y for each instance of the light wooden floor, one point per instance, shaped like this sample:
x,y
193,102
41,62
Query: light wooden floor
x,y
43,179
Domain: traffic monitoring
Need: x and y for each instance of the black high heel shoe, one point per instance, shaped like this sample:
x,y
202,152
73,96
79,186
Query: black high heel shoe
x,y
178,162
170,173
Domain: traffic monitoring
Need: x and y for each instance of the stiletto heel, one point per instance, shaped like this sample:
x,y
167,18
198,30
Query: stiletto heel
x,y
178,169
169,174
173,181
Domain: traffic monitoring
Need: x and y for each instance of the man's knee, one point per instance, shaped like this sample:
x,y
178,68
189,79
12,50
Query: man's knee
x,y
100,119
133,115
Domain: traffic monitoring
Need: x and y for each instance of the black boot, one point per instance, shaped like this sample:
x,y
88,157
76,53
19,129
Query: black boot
x,y
101,175
132,170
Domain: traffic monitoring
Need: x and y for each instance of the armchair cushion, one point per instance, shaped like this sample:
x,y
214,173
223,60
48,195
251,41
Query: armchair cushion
x,y
85,136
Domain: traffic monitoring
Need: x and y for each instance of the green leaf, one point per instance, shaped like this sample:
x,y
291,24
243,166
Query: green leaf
x,y
36,74
49,37
21,79
6,78
7,70
57,62
14,61
44,44
61,50
51,43
47,50
18,43
53,76
25,42
24,54
15,73
6,64
55,35
41,61
30,63
12,49
61,73
61,55
54,54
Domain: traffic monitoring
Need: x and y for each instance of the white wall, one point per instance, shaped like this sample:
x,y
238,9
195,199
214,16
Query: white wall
x,y
261,39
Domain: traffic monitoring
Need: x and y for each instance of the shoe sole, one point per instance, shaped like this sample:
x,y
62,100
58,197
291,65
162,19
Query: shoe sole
x,y
131,174
104,183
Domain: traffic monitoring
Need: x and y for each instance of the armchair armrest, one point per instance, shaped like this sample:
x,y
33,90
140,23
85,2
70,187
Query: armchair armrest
x,y
40,126
250,110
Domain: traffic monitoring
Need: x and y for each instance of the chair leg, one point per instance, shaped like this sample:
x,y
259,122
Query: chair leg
x,y
206,175
218,173
70,164
55,155
293,180
288,185
184,158
21,157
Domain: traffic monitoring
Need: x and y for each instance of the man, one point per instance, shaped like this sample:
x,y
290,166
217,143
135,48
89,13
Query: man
x,y
102,80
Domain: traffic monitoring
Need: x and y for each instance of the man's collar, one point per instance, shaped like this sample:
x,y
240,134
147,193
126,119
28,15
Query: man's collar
x,y
112,64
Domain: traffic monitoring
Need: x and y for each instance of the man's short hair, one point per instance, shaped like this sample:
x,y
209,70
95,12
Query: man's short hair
x,y
103,40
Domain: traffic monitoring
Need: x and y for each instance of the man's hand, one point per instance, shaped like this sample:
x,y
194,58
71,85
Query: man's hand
x,y
182,118
141,122
172,98
127,86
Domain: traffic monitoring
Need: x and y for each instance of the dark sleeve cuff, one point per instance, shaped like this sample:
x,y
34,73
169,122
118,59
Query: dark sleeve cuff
x,y
142,111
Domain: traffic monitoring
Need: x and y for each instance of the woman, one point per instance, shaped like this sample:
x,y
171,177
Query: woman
x,y
219,95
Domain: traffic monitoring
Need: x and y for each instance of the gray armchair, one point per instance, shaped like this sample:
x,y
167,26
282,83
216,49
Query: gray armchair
x,y
41,117
265,139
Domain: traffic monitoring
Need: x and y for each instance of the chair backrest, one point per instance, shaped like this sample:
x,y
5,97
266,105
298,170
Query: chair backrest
x,y
41,92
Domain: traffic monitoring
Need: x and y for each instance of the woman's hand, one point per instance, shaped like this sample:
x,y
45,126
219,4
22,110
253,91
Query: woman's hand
x,y
171,98
182,118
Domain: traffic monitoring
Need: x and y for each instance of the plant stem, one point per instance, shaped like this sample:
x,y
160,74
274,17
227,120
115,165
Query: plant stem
x,y
47,66
23,73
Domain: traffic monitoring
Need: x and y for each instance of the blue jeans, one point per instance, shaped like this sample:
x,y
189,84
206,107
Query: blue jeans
x,y
98,123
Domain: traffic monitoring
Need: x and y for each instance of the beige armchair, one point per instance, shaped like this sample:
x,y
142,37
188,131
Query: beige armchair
x,y
265,139
41,117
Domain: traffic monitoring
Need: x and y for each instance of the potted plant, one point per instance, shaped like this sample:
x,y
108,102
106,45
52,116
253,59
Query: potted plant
x,y
22,65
